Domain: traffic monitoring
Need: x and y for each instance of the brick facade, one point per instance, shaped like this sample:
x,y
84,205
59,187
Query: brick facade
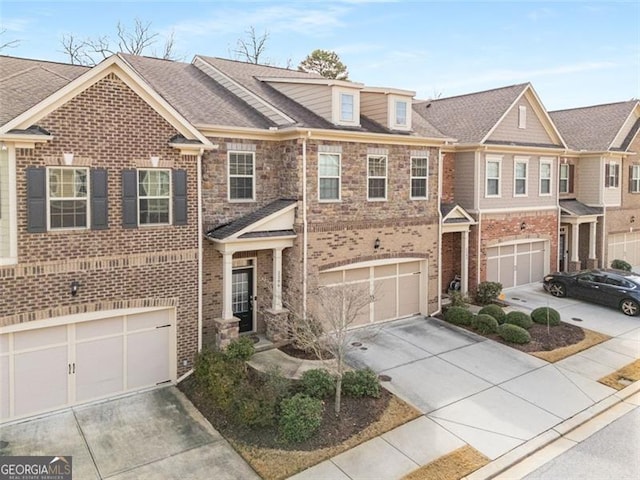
x,y
106,126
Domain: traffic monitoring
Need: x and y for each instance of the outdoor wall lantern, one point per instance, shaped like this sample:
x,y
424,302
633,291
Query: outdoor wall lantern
x,y
633,218
75,285
523,225
376,244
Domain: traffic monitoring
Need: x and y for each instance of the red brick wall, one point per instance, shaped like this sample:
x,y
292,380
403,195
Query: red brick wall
x,y
106,126
448,177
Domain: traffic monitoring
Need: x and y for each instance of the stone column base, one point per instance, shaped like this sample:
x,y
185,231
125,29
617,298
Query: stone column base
x,y
574,266
226,331
592,263
277,325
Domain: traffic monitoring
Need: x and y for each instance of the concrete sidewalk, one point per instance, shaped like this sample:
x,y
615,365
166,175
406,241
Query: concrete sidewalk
x,y
502,402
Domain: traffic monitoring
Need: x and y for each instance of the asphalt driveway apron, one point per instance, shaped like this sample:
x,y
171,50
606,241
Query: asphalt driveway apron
x,y
154,434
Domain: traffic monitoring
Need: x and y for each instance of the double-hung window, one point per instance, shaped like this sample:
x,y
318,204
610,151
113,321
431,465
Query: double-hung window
x,y
377,177
634,178
241,175
401,113
493,167
612,175
419,177
347,107
328,176
545,177
564,182
520,177
68,197
154,197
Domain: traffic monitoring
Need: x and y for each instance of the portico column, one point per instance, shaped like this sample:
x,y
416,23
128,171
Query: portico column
x,y
464,262
592,240
227,282
574,242
276,302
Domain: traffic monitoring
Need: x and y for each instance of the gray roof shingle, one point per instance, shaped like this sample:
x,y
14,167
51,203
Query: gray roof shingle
x,y
469,117
574,207
226,230
592,128
24,83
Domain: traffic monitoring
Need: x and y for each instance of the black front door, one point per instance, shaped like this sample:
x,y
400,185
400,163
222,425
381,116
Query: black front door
x,y
242,297
562,251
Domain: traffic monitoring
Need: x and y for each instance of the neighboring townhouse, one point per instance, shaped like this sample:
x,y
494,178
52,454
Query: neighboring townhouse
x,y
311,182
499,186
599,185
98,235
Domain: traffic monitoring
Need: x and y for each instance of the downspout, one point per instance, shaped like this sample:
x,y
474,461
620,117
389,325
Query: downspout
x,y
439,197
556,190
304,226
200,235
478,233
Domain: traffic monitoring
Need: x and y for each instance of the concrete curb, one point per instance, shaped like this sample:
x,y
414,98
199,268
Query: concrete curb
x,y
520,453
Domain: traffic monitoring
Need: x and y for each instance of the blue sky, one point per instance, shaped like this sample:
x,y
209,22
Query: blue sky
x,y
574,53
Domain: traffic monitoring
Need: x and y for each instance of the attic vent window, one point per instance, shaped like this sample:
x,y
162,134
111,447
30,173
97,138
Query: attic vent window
x,y
522,116
346,107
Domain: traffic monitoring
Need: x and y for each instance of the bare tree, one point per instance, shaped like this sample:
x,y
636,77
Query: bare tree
x,y
326,327
252,48
136,41
9,43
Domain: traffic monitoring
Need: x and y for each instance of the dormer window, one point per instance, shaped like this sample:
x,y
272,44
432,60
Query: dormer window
x,y
346,107
401,113
522,116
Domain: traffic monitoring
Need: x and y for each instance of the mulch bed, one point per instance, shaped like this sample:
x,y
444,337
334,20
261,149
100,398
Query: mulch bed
x,y
562,335
292,351
355,415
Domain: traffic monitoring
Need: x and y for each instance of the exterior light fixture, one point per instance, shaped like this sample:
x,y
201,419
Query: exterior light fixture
x,y
523,226
75,285
633,219
376,244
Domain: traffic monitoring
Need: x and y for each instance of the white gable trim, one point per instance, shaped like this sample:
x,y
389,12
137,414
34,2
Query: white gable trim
x,y
114,64
281,220
458,212
617,138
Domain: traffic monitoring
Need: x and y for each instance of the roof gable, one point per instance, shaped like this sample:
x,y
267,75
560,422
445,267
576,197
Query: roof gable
x,y
112,65
596,128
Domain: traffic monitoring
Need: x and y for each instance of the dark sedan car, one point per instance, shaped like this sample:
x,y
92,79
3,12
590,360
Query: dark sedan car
x,y
614,288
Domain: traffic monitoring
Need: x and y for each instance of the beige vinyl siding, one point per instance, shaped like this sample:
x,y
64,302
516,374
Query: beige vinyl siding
x,y
374,106
465,182
612,196
316,98
624,131
590,181
507,198
507,129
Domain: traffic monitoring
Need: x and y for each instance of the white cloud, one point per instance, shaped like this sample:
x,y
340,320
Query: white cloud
x,y
16,24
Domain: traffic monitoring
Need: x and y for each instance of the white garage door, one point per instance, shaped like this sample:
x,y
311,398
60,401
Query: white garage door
x,y
396,288
52,367
517,263
624,246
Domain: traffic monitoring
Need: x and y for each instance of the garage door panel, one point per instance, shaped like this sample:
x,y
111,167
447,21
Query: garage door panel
x,y
356,274
517,264
148,348
408,295
154,319
523,272
4,386
330,278
506,271
39,338
100,369
409,267
385,271
385,303
41,380
99,328
625,246
537,266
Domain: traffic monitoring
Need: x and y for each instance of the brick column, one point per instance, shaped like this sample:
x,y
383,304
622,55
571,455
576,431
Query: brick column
x,y
227,330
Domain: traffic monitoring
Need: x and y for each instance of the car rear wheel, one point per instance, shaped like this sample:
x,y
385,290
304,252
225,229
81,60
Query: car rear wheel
x,y
557,289
629,307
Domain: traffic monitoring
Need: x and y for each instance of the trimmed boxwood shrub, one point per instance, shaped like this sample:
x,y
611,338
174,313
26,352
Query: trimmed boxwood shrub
x,y
488,292
300,418
520,319
458,316
546,315
513,333
361,383
240,349
484,323
317,383
621,265
495,311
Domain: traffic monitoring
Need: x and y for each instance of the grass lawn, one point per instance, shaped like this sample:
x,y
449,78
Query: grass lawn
x,y
453,466
623,377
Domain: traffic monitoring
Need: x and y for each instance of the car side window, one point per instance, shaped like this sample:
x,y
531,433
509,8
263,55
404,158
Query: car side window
x,y
587,277
617,282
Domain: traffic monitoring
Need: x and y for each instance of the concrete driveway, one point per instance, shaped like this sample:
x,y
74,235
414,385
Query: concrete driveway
x,y
471,391
595,317
149,435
